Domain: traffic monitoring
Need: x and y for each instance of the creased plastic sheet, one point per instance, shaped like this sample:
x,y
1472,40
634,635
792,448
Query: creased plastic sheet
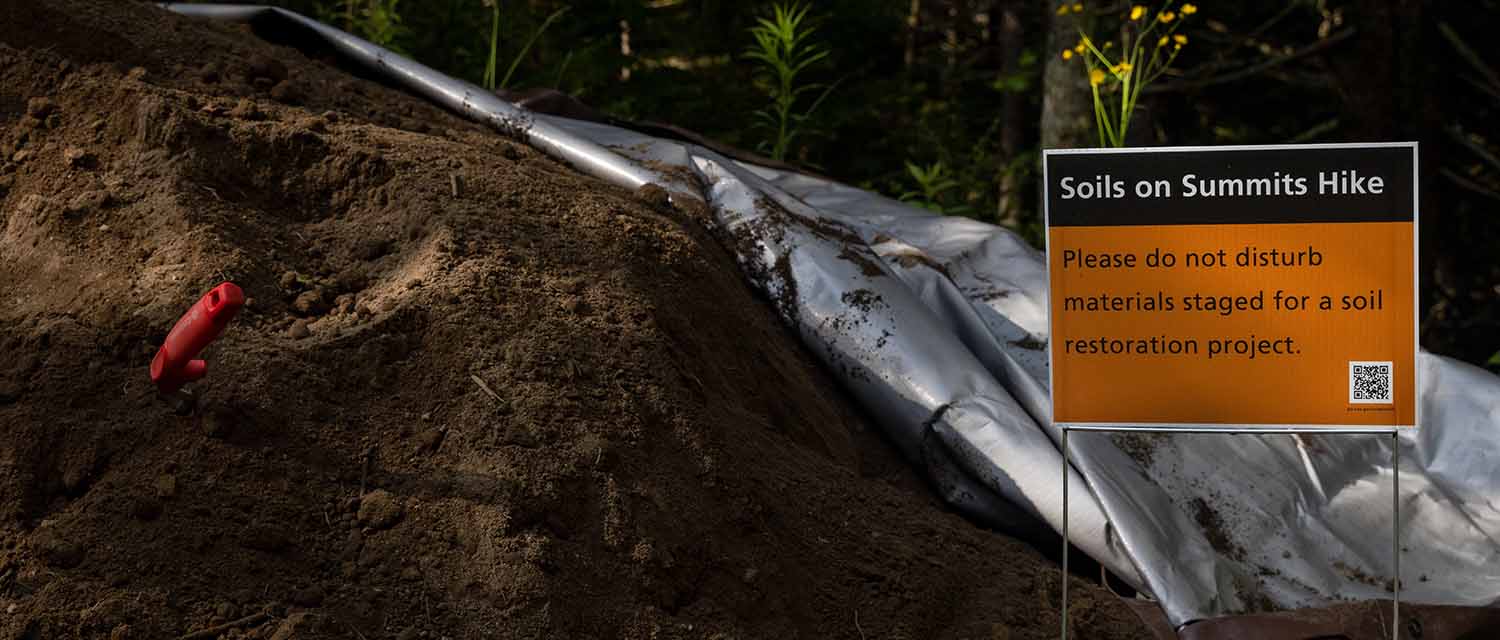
x,y
938,326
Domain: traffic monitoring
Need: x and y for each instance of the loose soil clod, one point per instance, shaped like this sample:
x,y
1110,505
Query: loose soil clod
x,y
665,461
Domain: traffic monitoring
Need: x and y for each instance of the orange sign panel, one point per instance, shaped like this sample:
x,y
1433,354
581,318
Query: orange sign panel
x,y
1233,287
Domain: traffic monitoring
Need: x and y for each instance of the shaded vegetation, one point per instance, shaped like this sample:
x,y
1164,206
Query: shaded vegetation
x,y
952,91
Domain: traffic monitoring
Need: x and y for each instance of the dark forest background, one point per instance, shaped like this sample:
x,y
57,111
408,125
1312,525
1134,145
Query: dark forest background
x,y
975,88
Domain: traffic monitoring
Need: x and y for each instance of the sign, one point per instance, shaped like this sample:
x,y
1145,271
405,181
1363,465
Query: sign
x,y
1233,288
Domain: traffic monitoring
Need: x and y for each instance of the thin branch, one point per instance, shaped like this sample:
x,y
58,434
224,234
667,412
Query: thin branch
x,y
1469,184
1457,134
1468,54
1487,89
1266,26
1316,47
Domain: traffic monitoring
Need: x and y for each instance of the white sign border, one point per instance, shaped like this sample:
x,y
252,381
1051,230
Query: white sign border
x,y
1183,427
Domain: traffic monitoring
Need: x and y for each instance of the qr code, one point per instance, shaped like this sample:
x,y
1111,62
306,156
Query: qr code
x,y
1370,383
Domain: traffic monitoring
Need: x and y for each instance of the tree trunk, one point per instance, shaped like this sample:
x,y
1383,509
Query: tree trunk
x,y
1067,107
1012,114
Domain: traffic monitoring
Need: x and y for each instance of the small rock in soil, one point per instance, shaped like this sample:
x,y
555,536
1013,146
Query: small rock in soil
x,y
431,439
299,329
379,509
653,195
77,157
40,107
310,303
344,304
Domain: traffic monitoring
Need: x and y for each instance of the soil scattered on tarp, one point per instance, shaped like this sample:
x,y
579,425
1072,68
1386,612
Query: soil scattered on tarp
x,y
1212,526
472,394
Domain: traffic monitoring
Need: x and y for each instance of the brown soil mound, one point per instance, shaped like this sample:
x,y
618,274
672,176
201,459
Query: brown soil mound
x,y
538,408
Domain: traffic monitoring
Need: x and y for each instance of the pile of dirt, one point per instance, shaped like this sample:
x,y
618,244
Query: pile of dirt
x,y
472,394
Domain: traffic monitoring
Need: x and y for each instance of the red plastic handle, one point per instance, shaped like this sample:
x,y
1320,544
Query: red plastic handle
x,y
174,364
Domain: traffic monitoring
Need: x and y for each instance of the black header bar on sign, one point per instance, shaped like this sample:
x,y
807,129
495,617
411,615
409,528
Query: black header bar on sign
x,y
1231,185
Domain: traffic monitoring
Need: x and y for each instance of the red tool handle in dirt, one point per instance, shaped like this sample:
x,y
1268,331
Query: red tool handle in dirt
x,y
174,364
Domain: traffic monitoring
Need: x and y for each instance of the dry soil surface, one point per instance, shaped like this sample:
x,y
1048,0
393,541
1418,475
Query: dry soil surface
x,y
539,408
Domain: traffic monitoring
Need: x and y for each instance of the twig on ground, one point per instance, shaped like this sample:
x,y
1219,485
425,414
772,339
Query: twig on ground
x,y
213,632
484,386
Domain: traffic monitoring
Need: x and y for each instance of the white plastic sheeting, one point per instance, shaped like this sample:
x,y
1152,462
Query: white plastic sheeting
x,y
938,326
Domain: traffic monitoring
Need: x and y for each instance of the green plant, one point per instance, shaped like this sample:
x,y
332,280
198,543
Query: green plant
x,y
377,20
1146,54
934,181
490,66
784,48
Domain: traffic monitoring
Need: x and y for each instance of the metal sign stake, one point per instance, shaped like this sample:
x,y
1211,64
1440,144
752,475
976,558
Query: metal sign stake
x,y
1396,535
1065,533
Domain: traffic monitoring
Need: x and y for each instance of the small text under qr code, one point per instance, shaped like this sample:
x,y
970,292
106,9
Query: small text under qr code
x,y
1370,382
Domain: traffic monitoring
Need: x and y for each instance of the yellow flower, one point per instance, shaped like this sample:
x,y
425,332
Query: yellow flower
x,y
1162,42
1062,10
1120,69
1077,7
1067,54
1179,39
1109,44
1096,77
1166,16
1079,48
1189,9
1136,12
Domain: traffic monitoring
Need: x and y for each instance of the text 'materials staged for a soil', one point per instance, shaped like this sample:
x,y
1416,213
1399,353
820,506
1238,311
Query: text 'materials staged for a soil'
x,y
1267,287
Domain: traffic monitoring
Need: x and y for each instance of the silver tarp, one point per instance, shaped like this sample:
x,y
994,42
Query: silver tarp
x,y
938,326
